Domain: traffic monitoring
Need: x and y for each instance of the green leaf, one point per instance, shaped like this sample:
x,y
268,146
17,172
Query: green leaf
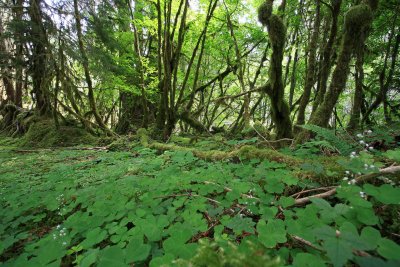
x,y
112,256
389,249
286,201
90,257
239,224
137,251
371,237
271,233
308,260
393,154
338,252
94,237
386,194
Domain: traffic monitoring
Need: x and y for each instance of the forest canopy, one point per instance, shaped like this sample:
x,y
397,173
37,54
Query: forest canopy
x,y
234,120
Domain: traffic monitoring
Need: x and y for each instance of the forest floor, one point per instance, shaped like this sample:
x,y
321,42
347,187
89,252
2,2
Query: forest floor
x,y
212,203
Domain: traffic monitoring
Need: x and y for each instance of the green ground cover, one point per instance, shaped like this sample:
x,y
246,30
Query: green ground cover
x,y
147,207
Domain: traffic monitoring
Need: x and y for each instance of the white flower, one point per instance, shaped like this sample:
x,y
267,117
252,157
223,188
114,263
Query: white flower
x,y
58,226
369,132
353,153
362,194
366,165
345,178
360,135
64,243
372,166
347,172
362,142
371,148
351,182
359,173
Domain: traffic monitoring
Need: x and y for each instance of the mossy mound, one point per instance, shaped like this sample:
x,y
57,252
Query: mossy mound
x,y
43,133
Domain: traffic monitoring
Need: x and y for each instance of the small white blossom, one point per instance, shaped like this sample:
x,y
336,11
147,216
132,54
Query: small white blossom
x,y
58,226
362,142
369,132
371,148
362,194
352,182
360,135
347,172
345,178
64,243
353,153
372,166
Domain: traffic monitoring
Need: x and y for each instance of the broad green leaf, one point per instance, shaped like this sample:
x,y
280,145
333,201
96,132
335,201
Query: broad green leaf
x,y
308,260
137,251
389,249
271,233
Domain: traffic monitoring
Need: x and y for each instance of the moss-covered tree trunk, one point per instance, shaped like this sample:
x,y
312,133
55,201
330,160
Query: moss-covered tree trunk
x,y
85,64
310,75
326,63
354,122
357,23
39,59
277,35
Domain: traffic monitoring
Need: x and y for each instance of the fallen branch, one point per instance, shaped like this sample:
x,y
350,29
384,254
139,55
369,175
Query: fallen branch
x,y
389,170
305,242
189,195
312,190
99,148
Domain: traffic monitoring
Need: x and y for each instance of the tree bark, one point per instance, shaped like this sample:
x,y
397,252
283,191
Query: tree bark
x,y
85,64
310,76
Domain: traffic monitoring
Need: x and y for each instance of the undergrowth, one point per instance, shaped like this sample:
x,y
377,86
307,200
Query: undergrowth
x,y
151,207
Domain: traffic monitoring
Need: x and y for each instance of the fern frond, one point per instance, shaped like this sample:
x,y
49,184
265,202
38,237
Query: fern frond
x,y
340,144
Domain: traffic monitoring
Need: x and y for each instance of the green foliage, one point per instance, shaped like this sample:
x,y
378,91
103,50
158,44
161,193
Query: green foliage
x,y
330,136
152,208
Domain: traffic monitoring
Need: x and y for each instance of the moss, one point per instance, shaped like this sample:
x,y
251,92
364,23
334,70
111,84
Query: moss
x,y
280,111
43,133
357,21
277,31
251,152
122,144
143,137
264,12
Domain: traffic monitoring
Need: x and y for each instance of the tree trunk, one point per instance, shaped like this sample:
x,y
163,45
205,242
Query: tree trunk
x,y
85,64
354,122
327,55
277,34
39,59
310,76
357,23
